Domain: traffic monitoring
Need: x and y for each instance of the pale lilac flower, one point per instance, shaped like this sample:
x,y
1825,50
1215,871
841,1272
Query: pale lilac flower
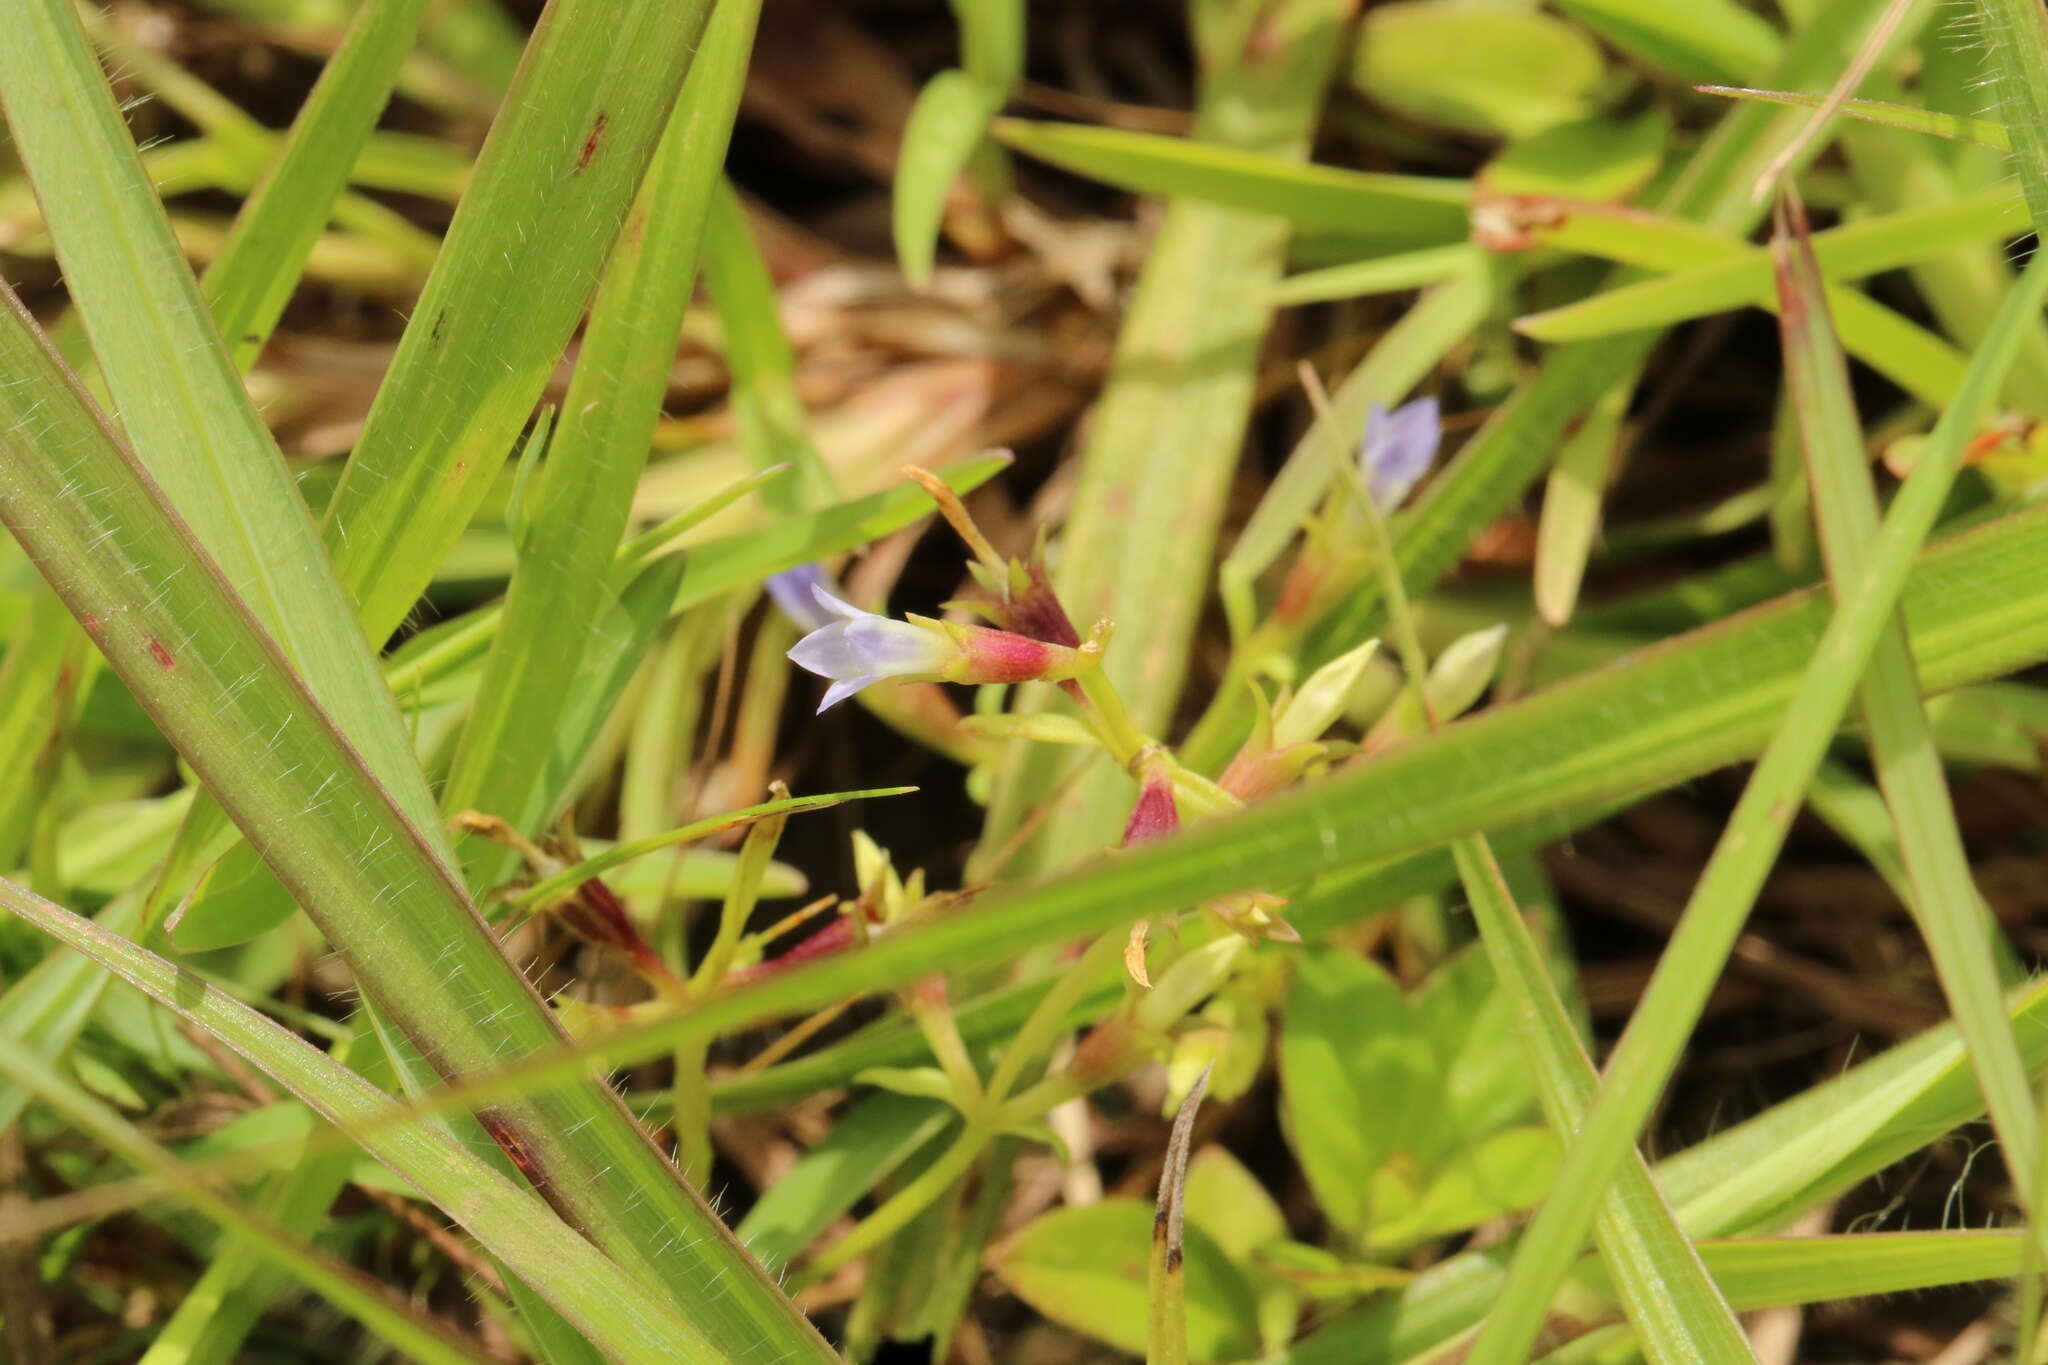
x,y
856,648
791,592
1397,450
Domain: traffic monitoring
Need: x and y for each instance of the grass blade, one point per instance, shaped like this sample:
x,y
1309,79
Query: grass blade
x,y
1954,919
1983,132
215,682
182,403
2016,37
1391,210
401,1328
522,255
251,280
1675,1308
562,584
1642,1060
610,1305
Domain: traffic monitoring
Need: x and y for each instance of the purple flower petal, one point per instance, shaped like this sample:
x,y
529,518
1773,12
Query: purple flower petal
x,y
791,592
860,648
1397,450
840,691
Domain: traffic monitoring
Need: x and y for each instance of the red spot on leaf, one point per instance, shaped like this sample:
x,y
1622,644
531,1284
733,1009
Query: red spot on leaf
x,y
160,654
590,144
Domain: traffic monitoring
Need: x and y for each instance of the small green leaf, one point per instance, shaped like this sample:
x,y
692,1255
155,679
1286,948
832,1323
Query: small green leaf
x,y
946,124
1412,210
1597,158
1085,1268
1698,40
1477,67
1357,1077
1502,1174
1470,1021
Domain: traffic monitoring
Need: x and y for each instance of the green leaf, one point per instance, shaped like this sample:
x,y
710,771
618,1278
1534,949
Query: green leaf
x,y
364,870
1721,899
567,644
1358,1080
612,1305
766,406
1084,1268
405,1328
1705,41
946,124
1983,132
550,192
1598,158
1742,275
1470,1021
2016,37
1500,1174
1396,209
867,1142
182,403
249,282
1958,926
1477,67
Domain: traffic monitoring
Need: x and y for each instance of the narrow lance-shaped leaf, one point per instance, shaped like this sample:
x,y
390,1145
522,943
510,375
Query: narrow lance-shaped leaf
x,y
1642,1061
166,620
416,1334
1675,1308
522,255
181,402
561,607
1945,901
614,1307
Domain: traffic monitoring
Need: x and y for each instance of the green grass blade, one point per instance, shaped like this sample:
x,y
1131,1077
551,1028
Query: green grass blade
x,y
522,255
1742,275
48,1006
612,1306
41,680
872,1139
1764,1272
2016,37
1381,275
946,125
561,591
1983,132
181,402
216,684
1720,902
766,407
401,1327
251,280
1406,210
1958,927
1672,1303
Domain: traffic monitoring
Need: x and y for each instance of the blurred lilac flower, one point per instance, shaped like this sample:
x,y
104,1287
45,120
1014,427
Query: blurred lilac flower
x,y
855,648
1397,450
791,590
